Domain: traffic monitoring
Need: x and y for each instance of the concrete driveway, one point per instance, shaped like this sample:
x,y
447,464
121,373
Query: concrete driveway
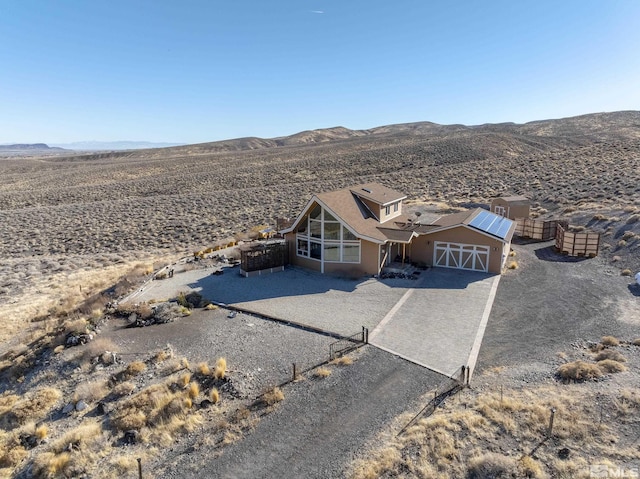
x,y
436,322
439,324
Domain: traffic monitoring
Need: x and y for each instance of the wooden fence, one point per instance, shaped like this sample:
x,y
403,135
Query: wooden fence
x,y
264,256
577,244
543,230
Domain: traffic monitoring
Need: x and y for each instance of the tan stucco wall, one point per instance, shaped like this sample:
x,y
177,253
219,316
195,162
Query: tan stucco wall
x,y
513,211
368,260
422,247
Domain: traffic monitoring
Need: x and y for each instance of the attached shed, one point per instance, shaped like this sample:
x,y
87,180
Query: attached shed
x,y
511,207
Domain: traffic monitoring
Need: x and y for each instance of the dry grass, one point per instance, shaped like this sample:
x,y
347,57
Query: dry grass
x,y
611,366
273,396
133,369
184,380
91,391
41,431
220,369
465,437
124,389
579,371
214,395
343,361
610,341
513,265
97,348
203,368
193,391
611,354
636,342
35,405
322,372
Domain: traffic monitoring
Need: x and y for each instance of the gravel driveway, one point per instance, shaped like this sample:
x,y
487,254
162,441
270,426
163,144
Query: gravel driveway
x,y
321,424
552,301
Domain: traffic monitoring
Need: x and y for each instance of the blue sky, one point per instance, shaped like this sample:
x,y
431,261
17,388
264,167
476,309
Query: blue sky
x,y
197,71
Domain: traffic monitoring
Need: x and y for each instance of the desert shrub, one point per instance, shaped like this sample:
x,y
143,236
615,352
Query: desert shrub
x,y
628,235
78,438
633,219
636,342
610,354
36,405
52,465
626,272
273,396
193,391
322,372
162,356
91,391
183,380
610,341
11,450
203,368
513,265
182,299
343,361
599,217
611,366
124,389
41,431
220,369
214,395
96,348
133,369
579,371
492,465
531,468
621,244
210,307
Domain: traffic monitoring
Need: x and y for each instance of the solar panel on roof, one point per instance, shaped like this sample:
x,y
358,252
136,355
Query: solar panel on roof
x,y
491,223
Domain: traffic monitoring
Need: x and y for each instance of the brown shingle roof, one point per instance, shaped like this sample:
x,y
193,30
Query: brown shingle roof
x,y
516,200
377,193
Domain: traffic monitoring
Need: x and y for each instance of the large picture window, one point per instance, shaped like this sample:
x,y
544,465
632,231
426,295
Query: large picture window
x,y
322,237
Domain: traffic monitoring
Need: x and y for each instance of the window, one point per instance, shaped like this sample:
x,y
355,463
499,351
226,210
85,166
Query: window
x,y
387,210
351,253
322,237
395,207
303,247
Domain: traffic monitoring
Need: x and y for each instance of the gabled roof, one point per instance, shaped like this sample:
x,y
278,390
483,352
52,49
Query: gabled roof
x,y
477,219
377,193
515,200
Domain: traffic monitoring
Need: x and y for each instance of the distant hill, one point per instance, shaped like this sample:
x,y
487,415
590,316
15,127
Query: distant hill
x,y
28,147
114,145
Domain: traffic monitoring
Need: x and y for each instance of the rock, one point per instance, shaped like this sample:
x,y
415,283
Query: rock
x,y
28,441
131,436
205,403
81,405
102,408
564,453
68,408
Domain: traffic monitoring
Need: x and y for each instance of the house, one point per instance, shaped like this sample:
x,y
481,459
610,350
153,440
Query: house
x,y
511,207
361,229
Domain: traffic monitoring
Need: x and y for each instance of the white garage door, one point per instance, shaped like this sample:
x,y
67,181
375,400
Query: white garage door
x,y
461,256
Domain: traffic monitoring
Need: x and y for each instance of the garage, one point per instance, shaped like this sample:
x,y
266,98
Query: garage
x,y
461,256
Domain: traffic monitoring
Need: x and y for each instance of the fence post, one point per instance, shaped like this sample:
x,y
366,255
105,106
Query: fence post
x,y
139,468
294,371
367,338
550,430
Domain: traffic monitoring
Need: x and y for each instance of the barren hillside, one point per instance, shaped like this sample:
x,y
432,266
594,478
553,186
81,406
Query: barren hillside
x,y
60,214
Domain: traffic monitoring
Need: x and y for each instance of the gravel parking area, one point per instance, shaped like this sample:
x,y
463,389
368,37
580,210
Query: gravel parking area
x,y
551,302
339,305
259,353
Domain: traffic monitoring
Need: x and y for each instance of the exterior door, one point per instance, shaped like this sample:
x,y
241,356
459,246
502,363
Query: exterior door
x,y
461,256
